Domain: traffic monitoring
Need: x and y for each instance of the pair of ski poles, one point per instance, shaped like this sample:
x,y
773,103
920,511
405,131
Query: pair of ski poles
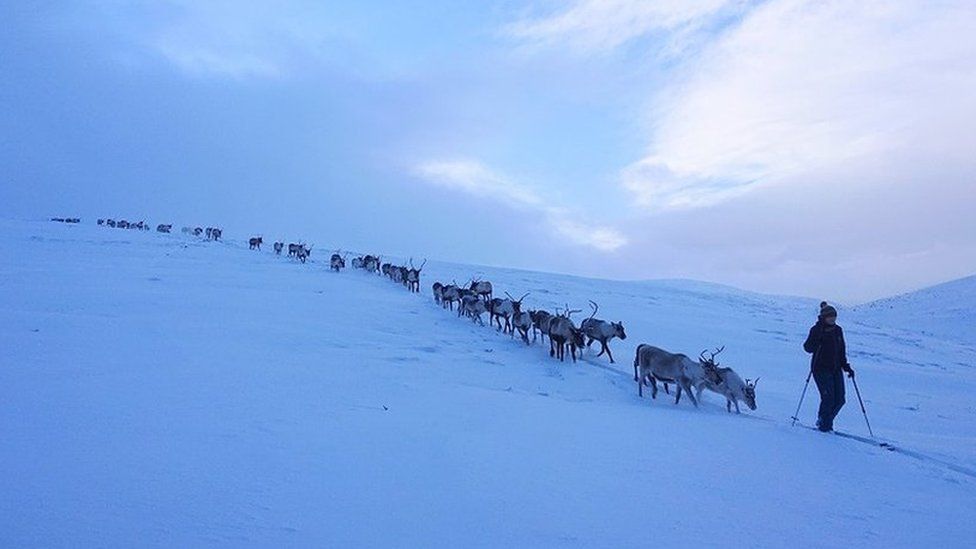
x,y
856,390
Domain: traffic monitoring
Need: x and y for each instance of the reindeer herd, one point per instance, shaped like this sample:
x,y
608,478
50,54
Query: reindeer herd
x,y
507,315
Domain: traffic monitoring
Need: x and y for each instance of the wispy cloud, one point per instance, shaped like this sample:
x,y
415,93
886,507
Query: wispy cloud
x,y
589,26
225,38
474,178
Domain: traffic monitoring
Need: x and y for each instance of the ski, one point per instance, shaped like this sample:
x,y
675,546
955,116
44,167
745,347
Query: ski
x,y
900,450
873,442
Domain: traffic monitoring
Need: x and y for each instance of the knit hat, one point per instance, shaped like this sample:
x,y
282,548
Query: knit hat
x,y
827,310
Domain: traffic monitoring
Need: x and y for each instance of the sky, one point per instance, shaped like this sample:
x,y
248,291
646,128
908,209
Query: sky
x,y
816,148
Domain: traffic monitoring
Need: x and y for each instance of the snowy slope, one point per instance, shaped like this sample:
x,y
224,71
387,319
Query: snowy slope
x,y
159,390
945,311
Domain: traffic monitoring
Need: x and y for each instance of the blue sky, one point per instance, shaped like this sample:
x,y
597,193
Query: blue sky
x,y
814,148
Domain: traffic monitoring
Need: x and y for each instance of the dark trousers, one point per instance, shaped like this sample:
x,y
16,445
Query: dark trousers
x,y
831,387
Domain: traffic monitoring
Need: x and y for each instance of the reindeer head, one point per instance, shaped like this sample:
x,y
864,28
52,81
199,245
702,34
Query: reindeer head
x,y
517,303
618,330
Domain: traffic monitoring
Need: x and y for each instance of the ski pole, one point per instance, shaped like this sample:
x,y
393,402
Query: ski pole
x,y
863,411
802,395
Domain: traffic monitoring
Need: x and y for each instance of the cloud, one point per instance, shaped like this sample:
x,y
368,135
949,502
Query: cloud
x,y
476,179
791,86
590,26
225,38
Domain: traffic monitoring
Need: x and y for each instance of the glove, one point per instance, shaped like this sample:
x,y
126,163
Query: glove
x,y
849,370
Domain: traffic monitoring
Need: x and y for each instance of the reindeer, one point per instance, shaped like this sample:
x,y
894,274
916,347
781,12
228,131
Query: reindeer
x,y
255,243
449,294
216,233
436,290
293,249
652,364
110,223
481,288
198,231
602,331
725,382
540,323
337,262
101,221
463,293
412,276
522,321
303,253
278,246
371,264
473,306
209,232
562,333
164,228
505,308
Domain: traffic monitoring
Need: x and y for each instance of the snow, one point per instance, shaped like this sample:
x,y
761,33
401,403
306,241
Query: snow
x,y
165,391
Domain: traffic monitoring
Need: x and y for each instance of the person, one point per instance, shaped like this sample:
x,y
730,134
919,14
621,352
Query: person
x,y
828,364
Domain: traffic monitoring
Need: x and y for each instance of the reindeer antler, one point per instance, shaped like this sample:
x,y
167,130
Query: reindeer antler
x,y
716,353
525,295
422,264
595,307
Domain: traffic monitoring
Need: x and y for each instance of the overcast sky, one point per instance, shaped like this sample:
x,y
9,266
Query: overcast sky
x,y
818,148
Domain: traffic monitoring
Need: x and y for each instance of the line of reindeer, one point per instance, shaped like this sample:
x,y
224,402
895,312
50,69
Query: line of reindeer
x,y
651,364
210,233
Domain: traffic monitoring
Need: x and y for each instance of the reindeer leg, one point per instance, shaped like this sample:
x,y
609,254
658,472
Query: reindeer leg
x,y
603,348
653,387
609,354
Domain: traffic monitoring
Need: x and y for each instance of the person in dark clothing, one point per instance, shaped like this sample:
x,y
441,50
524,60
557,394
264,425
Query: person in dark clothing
x,y
828,364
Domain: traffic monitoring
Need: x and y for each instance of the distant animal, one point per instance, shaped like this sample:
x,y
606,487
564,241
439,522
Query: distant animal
x,y
278,246
412,276
161,228
357,263
436,290
101,221
110,222
216,233
602,331
473,307
337,262
563,333
540,323
371,263
293,249
255,243
652,364
481,288
198,231
449,295
504,309
303,253
209,232
522,322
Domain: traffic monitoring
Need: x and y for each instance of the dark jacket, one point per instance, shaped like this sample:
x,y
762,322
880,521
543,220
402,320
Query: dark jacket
x,y
826,344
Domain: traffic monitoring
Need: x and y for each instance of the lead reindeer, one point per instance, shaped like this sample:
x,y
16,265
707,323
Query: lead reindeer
x,y
337,262
602,331
652,364
413,276
255,243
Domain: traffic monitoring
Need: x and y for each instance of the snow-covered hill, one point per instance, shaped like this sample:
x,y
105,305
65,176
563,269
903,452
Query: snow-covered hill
x,y
160,390
946,311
